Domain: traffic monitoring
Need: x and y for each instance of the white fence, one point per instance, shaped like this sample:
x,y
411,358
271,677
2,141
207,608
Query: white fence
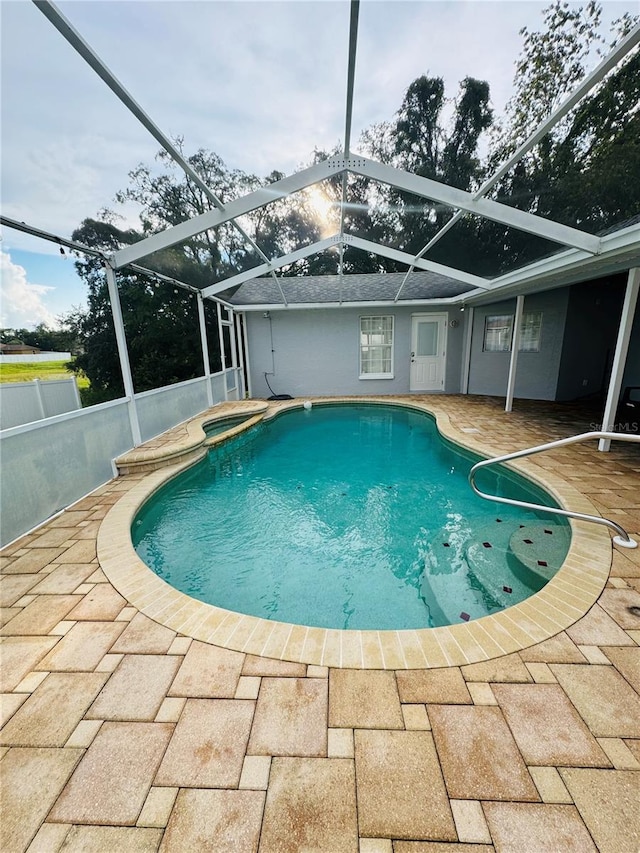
x,y
40,356
24,402
49,464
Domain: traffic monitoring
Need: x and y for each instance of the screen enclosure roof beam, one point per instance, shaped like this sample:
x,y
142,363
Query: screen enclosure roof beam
x,y
66,29
590,81
404,258
276,263
213,218
348,240
497,212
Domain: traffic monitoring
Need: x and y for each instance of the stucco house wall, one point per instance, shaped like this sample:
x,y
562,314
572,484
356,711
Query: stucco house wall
x,y
316,351
537,372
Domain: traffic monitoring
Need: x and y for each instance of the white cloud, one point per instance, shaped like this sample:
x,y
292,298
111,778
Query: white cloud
x,y
21,304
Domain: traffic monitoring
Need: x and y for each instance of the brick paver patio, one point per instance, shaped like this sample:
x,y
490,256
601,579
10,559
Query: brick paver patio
x,y
122,734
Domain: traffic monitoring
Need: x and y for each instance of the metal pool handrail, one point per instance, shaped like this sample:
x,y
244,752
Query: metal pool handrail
x,y
622,539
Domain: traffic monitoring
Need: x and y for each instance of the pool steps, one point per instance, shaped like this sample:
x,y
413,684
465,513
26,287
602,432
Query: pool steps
x,y
484,584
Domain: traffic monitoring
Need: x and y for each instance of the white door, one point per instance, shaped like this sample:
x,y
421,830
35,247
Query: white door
x,y
428,351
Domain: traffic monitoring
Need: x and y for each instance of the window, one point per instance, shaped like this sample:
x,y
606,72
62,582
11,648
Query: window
x,y
530,332
498,331
376,347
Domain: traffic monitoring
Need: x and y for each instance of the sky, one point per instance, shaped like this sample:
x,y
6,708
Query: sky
x,y
262,83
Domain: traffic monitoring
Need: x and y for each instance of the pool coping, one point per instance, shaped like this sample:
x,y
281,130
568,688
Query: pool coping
x,y
563,600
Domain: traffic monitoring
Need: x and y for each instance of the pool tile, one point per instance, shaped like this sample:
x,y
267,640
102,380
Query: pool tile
x,y
254,665
208,746
107,839
546,726
290,718
431,648
31,781
501,669
294,646
434,686
597,628
136,689
19,656
484,640
602,697
40,616
371,650
351,649
529,826
310,805
392,650
144,636
83,647
401,793
208,671
364,699
314,671
331,651
453,650
213,821
52,712
479,757
412,650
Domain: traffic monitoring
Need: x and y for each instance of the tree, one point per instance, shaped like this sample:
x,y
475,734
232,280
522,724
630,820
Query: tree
x,y
421,142
160,320
586,171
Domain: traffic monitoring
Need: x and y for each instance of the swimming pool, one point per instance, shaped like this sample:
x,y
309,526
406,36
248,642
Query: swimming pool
x,y
347,516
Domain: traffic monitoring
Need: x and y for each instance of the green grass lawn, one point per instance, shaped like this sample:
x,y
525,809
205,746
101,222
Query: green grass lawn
x,y
28,370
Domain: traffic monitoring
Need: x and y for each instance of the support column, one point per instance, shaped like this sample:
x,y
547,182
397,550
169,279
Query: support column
x,y
466,365
620,357
240,348
205,347
123,353
36,385
246,352
515,346
223,358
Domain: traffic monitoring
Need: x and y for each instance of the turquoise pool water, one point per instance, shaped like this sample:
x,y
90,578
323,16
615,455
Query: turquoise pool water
x,y
347,516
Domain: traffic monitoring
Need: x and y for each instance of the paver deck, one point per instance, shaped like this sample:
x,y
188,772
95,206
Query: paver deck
x,y
129,726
